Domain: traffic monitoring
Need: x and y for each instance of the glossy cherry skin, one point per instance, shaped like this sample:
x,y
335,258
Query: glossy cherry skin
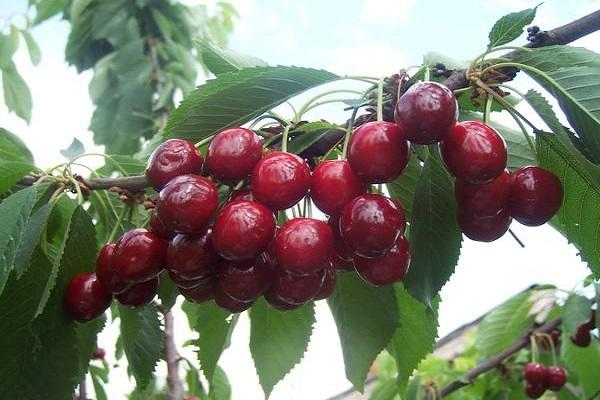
x,y
183,283
246,281
279,304
582,337
386,269
427,111
556,377
333,185
192,256
243,229
139,255
173,158
85,298
280,180
328,284
105,272
99,354
378,151
535,373
202,292
371,223
303,245
485,199
474,151
232,154
139,294
535,195
340,248
187,203
296,289
155,225
534,390
227,302
241,194
484,229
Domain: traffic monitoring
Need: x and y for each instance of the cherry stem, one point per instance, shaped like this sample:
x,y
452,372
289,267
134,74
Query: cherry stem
x,y
267,116
118,223
380,100
534,349
75,184
488,108
284,137
308,105
204,141
550,341
514,236
349,132
427,74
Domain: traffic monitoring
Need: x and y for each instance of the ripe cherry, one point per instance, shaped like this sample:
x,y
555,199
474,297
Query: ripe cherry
x,y
172,158
333,185
192,256
279,304
582,337
535,373
139,255
328,284
85,298
99,354
474,151
303,245
241,194
232,154
105,272
186,203
245,281
484,229
227,302
155,225
340,248
386,269
185,283
296,289
556,377
243,229
535,195
371,223
280,180
483,200
139,294
427,111
533,390
378,151
202,292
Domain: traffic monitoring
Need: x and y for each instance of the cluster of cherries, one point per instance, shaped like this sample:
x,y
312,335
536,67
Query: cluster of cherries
x,y
539,378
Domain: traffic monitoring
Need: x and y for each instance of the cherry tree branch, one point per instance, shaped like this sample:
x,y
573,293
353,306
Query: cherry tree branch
x,y
172,357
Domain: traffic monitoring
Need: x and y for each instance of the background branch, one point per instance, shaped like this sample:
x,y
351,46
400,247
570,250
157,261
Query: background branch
x,y
172,357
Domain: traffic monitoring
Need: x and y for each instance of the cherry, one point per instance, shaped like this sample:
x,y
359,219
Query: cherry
x,y
202,292
483,200
232,154
85,298
277,303
105,272
170,159
333,185
192,256
303,245
427,111
474,151
139,294
227,302
187,203
535,195
371,223
556,377
280,180
339,263
245,281
582,337
484,229
183,283
139,255
241,194
328,284
155,225
534,390
296,289
99,354
535,373
378,151
386,269
243,229
340,249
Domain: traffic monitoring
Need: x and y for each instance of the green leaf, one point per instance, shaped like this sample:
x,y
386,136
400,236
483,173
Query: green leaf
x,y
126,165
278,340
7,49
403,187
407,348
98,388
167,291
366,318
142,341
36,225
385,390
34,51
12,148
75,149
582,364
48,8
510,27
435,237
220,389
11,172
576,312
219,60
16,92
234,98
86,341
308,134
14,213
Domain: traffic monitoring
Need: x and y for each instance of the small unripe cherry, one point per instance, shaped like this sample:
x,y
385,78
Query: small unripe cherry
x,y
139,294
85,298
232,154
170,159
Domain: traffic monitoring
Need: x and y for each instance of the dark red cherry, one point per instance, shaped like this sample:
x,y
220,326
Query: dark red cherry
x,y
202,292
184,283
139,255
303,245
85,298
328,284
155,225
534,390
172,158
296,289
535,373
241,194
386,269
427,111
139,294
378,151
485,199
556,377
227,302
280,180
192,256
333,185
371,223
105,273
232,154
582,337
484,229
341,264
535,195
246,281
474,151
243,229
340,248
99,354
277,303
187,203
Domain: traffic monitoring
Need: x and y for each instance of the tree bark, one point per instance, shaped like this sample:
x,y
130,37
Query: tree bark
x,y
172,357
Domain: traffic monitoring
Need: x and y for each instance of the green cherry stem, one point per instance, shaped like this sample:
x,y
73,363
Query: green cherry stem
x,y
427,74
307,106
534,349
284,137
267,116
488,108
204,141
349,132
118,223
380,100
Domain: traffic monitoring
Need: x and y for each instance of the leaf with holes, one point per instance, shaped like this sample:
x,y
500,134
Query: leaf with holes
x,y
510,27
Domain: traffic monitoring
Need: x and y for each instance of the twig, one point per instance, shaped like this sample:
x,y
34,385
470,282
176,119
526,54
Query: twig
x,y
172,357
82,390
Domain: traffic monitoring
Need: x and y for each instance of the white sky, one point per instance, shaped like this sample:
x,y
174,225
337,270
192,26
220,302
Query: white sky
x,y
366,37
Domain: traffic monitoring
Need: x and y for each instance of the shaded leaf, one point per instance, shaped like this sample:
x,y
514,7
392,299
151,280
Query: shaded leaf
x,y
12,148
17,96
583,364
308,134
75,149
34,51
32,234
220,388
576,312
